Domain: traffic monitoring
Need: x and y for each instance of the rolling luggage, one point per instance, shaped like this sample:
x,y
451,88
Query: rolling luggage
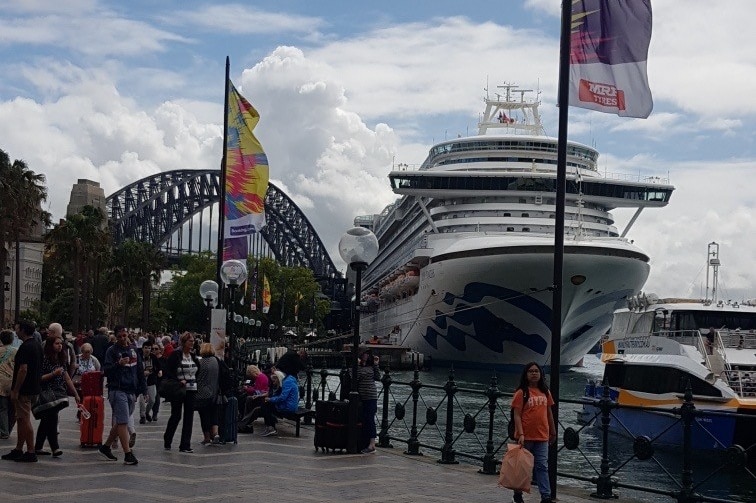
x,y
91,383
331,431
227,420
91,429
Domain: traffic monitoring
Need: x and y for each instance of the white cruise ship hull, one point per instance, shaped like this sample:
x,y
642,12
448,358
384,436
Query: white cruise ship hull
x,y
490,306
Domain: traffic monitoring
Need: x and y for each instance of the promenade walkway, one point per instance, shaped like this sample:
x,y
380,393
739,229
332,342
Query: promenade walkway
x,y
272,469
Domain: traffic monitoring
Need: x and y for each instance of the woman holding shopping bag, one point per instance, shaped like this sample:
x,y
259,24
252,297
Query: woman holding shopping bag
x,y
534,425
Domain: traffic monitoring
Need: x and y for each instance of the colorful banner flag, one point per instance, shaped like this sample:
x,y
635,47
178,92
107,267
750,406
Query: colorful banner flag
x,y
609,51
247,173
253,302
266,295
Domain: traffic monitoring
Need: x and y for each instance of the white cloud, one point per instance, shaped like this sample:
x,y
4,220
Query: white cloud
x,y
240,19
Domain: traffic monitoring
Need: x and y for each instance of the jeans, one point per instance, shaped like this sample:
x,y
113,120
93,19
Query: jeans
x,y
145,406
369,409
6,410
540,451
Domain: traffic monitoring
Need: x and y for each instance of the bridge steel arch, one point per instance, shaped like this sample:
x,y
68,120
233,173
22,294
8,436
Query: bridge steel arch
x,y
155,207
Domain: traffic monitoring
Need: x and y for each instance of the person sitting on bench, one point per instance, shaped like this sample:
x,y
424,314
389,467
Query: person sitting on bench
x,y
285,401
255,394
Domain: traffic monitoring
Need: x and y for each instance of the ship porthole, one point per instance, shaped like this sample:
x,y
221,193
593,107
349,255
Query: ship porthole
x,y
577,279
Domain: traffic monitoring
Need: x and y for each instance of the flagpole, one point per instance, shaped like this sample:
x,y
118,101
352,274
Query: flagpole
x,y
222,206
556,321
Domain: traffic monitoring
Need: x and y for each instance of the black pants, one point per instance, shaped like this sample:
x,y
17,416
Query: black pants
x,y
47,430
269,413
156,405
186,424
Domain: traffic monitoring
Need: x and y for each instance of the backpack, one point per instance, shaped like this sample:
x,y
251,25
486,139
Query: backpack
x,y
511,425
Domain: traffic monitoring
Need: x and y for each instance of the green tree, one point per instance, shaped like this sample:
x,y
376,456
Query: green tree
x,y
181,296
21,195
80,241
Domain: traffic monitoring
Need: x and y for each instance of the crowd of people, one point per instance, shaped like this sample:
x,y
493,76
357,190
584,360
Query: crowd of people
x,y
141,371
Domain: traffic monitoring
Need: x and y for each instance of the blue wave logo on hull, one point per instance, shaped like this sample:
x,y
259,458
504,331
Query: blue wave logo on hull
x,y
492,331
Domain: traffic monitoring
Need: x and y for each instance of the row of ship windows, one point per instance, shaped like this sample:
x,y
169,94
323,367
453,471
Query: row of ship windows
x,y
509,159
567,216
414,181
538,229
466,146
520,200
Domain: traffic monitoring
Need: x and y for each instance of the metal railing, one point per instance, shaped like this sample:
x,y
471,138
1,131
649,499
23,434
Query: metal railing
x,y
471,424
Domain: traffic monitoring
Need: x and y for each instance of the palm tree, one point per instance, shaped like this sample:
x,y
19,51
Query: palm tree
x,y
77,240
21,195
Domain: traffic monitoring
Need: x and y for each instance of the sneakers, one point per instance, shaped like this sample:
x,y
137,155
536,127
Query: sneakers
x,y
4,436
148,418
107,453
12,455
270,431
132,440
142,420
216,440
368,450
154,418
129,459
188,450
206,442
517,498
27,457
57,454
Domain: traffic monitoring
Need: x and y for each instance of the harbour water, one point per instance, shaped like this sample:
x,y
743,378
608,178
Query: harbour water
x,y
663,471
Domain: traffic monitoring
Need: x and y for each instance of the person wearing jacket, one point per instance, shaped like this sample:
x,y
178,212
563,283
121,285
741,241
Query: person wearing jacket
x,y
182,366
285,401
125,372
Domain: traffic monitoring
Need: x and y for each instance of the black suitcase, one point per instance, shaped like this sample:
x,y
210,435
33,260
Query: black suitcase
x,y
331,425
227,420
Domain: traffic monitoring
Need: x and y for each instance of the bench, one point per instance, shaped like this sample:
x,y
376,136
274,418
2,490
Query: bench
x,y
296,416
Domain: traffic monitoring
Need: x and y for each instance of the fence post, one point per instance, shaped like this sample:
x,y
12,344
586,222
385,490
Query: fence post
x,y
344,383
688,415
383,436
308,393
413,444
447,451
323,384
604,480
489,461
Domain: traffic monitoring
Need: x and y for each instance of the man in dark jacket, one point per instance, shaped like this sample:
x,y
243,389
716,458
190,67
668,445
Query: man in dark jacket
x,y
125,372
100,343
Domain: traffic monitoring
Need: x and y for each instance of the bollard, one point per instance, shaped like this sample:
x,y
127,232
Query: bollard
x,y
383,436
447,451
604,480
489,460
413,444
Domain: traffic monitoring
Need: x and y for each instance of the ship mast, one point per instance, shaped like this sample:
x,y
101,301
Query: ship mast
x,y
513,115
712,266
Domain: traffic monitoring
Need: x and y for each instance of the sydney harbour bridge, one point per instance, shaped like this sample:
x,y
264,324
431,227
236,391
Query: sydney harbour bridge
x,y
168,209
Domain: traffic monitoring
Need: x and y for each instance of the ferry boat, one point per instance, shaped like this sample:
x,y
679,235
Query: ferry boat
x,y
465,266
657,347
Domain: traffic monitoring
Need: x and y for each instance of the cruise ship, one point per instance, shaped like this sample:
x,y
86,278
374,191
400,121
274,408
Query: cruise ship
x,y
465,265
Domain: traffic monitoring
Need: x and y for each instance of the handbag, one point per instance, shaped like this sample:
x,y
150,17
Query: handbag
x,y
172,390
49,400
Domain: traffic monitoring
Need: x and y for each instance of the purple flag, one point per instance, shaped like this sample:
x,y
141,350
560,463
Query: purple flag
x,y
609,50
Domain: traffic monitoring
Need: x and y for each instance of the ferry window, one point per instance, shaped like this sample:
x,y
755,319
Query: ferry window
x,y
526,229
526,215
682,320
510,229
656,380
507,215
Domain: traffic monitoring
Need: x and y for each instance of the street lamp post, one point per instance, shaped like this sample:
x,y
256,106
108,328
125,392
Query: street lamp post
x,y
208,290
357,247
233,273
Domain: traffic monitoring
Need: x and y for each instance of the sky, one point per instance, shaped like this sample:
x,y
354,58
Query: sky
x,y
114,91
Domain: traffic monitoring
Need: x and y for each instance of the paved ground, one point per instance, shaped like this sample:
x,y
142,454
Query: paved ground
x,y
277,469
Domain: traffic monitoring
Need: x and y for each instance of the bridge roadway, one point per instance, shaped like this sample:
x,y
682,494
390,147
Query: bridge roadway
x,y
277,469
